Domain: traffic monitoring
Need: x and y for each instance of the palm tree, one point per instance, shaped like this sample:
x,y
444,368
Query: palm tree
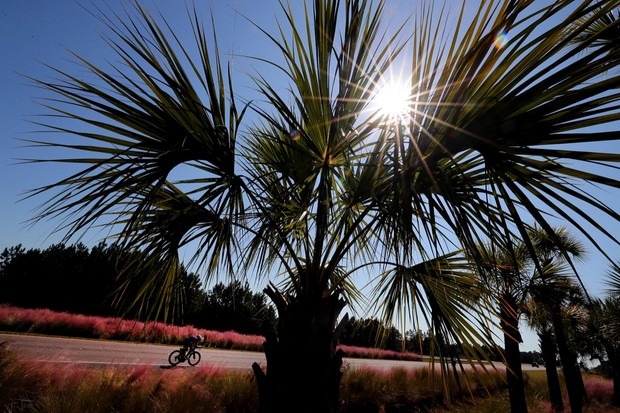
x,y
613,325
527,276
603,335
556,308
556,291
602,29
503,275
322,188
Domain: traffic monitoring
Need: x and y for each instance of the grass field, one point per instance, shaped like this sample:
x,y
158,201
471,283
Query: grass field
x,y
33,387
29,386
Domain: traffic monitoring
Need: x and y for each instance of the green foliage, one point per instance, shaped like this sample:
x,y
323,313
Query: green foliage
x,y
75,279
64,278
529,357
418,341
82,281
371,332
235,307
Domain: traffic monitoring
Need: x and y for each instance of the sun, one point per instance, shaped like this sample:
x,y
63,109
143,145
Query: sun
x,y
393,100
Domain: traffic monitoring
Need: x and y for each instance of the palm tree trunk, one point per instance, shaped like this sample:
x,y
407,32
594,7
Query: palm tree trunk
x,y
303,367
614,358
572,375
512,337
548,349
616,381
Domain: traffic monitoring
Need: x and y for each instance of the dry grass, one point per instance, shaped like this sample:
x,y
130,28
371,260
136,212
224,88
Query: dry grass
x,y
28,386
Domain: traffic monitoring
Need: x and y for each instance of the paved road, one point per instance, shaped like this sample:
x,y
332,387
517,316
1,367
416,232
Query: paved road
x,y
102,353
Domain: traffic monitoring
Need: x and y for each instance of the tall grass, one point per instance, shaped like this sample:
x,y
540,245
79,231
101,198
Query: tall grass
x,y
30,386
44,321
414,390
598,389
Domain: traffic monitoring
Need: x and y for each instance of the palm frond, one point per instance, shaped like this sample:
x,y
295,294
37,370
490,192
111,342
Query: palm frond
x,y
508,105
613,279
147,121
443,291
332,79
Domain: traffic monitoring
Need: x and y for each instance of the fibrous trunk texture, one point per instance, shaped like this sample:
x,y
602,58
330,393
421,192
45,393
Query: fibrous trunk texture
x,y
572,374
512,337
304,368
549,354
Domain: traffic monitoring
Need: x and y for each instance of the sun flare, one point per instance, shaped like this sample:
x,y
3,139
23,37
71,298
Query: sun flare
x,y
394,100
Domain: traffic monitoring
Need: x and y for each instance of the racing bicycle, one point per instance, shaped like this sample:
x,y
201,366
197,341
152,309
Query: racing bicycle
x,y
191,355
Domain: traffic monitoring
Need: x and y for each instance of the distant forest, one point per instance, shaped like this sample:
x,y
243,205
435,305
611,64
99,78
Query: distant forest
x,y
79,280
76,279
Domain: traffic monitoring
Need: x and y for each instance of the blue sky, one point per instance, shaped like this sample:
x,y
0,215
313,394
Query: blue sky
x,y
34,33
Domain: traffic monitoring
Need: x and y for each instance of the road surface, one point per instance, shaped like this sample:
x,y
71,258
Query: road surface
x,y
117,353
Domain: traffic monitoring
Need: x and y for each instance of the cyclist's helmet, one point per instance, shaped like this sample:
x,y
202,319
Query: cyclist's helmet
x,y
199,337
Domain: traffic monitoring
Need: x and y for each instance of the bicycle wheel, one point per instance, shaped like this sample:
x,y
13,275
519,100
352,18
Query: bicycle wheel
x,y
175,358
194,358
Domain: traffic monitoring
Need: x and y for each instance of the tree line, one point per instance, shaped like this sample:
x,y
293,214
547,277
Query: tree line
x,y
76,279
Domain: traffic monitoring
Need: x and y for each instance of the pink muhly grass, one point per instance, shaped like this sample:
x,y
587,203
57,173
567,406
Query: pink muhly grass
x,y
362,384
205,385
599,389
21,319
544,407
368,388
374,353
138,374
176,334
44,321
231,339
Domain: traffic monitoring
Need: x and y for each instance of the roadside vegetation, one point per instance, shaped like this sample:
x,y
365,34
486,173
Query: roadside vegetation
x,y
49,278
31,386
44,321
34,386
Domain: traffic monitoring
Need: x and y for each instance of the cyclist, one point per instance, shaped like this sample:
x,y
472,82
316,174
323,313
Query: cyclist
x,y
191,343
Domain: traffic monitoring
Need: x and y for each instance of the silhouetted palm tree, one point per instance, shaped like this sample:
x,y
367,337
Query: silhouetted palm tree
x,y
603,335
534,272
556,288
504,276
557,307
613,328
601,29
322,186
